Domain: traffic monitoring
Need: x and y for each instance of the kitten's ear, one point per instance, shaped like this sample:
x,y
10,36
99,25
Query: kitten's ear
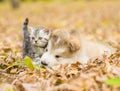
x,y
74,44
48,31
30,29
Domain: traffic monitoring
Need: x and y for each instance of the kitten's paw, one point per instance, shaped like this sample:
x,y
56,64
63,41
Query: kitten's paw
x,y
36,61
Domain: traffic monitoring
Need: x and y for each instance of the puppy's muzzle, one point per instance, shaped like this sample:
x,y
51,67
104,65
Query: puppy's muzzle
x,y
44,63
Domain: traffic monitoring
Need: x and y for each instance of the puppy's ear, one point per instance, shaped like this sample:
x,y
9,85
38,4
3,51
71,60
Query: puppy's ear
x,y
74,45
55,38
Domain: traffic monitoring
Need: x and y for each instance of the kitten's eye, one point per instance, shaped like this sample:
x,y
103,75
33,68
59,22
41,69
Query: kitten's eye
x,y
39,37
57,56
33,38
46,39
33,53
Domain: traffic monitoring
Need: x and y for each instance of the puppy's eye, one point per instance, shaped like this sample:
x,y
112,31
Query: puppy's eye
x,y
39,37
46,50
33,38
57,56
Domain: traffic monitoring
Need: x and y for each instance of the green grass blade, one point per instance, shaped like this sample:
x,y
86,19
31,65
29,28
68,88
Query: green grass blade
x,y
28,63
113,81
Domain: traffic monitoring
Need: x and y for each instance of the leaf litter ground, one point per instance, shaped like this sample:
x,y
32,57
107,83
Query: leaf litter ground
x,y
99,21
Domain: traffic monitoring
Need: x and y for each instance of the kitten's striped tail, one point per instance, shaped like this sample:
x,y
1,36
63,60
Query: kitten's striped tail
x,y
25,28
26,21
26,40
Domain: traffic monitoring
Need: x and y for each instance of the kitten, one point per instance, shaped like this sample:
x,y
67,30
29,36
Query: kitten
x,y
38,40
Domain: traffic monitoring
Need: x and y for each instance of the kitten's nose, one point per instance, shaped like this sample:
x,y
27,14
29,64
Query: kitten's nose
x,y
36,41
44,63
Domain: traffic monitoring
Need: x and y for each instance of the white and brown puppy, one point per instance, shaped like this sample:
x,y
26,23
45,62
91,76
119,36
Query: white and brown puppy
x,y
67,46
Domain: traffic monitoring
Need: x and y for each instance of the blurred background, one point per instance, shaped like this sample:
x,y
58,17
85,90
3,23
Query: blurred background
x,y
98,19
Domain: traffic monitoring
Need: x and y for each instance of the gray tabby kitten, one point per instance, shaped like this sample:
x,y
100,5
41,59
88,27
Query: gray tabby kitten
x,y
37,40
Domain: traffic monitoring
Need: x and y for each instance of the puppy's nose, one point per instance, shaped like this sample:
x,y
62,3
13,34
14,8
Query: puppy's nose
x,y
44,63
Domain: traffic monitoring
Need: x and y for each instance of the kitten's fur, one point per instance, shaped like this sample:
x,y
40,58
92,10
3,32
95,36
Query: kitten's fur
x,y
39,39
35,41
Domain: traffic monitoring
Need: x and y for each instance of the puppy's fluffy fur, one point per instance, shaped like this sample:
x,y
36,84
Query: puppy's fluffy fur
x,y
66,46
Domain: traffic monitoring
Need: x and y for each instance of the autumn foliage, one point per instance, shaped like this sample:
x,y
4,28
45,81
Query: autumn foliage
x,y
99,21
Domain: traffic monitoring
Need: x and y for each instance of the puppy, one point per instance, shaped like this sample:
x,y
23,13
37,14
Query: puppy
x,y
68,46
